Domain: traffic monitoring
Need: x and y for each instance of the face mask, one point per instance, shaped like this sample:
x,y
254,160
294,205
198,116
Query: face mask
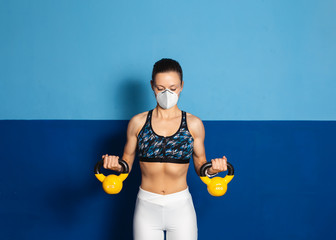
x,y
167,99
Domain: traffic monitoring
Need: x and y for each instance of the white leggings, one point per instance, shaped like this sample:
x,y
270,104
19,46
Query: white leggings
x,y
174,213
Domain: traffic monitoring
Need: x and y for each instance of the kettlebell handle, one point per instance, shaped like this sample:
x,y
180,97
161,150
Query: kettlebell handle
x,y
207,165
123,163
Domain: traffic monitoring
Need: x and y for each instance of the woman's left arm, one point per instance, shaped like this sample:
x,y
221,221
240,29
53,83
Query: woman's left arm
x,y
196,128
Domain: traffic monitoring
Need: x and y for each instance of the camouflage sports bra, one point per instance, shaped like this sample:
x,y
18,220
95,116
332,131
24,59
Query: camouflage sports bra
x,y
177,148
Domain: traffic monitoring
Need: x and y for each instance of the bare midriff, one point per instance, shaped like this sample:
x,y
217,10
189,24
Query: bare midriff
x,y
163,178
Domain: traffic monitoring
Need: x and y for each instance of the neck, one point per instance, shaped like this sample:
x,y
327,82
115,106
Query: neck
x,y
167,113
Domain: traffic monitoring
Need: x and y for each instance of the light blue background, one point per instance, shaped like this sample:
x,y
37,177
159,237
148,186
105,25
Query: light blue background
x,y
242,60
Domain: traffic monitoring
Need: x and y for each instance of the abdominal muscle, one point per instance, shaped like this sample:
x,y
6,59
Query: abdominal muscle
x,y
163,178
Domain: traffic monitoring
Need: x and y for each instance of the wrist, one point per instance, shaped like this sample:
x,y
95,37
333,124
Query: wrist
x,y
210,174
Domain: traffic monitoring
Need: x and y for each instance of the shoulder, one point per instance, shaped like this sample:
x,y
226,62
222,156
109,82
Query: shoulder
x,y
137,121
195,125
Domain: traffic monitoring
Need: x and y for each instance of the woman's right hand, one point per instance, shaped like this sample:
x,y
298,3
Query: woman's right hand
x,y
111,162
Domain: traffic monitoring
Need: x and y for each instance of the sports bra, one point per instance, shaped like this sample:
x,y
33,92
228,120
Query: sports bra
x,y
177,148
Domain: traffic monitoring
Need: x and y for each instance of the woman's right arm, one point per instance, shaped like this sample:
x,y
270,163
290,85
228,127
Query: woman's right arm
x,y
111,162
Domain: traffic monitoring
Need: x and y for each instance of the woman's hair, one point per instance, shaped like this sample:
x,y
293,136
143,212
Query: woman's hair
x,y
167,65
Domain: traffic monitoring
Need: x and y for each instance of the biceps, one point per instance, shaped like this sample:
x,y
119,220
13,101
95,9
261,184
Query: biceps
x,y
199,150
130,146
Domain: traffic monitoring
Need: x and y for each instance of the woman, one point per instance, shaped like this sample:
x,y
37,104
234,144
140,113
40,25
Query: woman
x,y
165,139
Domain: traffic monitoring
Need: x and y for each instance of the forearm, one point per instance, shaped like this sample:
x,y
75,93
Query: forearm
x,y
129,159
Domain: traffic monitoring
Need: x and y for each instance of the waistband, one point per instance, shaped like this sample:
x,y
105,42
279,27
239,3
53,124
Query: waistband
x,y
162,199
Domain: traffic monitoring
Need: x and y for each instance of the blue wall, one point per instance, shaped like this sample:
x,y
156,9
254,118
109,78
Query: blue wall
x,y
283,186
260,74
251,60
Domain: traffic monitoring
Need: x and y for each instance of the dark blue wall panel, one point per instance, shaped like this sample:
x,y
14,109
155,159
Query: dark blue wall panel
x,y
283,186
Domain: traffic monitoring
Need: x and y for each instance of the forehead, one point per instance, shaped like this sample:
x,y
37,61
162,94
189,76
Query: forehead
x,y
167,78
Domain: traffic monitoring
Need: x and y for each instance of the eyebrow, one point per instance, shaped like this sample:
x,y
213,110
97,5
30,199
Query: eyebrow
x,y
163,86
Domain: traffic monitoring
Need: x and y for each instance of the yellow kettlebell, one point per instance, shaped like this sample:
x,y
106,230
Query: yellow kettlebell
x,y
112,184
217,186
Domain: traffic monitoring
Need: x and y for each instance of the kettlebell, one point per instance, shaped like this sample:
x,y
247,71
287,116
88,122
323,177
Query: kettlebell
x,y
217,186
112,184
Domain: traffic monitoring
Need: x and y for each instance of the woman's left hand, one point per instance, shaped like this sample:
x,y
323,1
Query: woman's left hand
x,y
218,165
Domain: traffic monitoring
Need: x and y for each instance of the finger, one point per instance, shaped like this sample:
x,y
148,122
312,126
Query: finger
x,y
225,159
109,162
105,161
115,161
220,164
225,163
224,166
215,164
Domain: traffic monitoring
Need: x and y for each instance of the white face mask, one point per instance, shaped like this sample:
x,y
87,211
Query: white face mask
x,y
167,99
